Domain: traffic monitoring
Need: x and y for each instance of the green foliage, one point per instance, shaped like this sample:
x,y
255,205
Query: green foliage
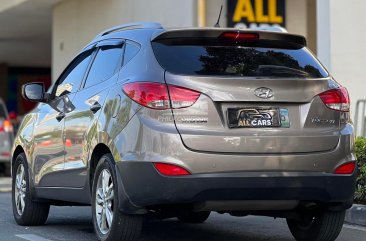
x,y
360,149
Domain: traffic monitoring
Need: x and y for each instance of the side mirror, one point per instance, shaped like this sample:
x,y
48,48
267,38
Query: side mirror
x,y
34,92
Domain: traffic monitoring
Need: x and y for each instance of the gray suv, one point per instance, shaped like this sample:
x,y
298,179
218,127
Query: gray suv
x,y
182,122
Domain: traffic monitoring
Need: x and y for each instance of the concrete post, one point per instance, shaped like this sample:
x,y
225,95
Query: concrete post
x,y
323,32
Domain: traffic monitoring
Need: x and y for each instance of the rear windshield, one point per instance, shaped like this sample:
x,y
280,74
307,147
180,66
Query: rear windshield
x,y
238,61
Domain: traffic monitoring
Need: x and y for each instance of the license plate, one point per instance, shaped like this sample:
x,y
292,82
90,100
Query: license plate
x,y
255,117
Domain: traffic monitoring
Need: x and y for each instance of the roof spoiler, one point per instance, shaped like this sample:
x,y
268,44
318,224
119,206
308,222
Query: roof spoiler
x,y
272,29
266,37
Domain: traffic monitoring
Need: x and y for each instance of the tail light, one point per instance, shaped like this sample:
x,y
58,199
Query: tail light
x,y
336,99
182,97
6,126
170,169
156,95
347,168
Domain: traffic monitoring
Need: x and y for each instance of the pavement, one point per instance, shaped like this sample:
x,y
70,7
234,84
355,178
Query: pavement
x,y
74,223
356,215
5,184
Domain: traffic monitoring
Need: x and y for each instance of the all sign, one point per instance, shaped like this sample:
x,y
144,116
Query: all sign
x,y
256,13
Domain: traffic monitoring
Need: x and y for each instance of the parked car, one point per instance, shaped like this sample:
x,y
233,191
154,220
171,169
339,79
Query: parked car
x,y
6,139
147,120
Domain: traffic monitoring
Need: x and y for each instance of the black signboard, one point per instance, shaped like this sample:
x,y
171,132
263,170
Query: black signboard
x,y
255,13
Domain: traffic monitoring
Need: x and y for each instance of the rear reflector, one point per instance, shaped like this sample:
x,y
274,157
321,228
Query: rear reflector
x,y
170,169
336,99
347,168
156,95
239,36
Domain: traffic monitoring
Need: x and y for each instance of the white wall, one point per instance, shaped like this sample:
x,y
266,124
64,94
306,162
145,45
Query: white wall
x,y
296,17
76,22
213,10
6,4
342,43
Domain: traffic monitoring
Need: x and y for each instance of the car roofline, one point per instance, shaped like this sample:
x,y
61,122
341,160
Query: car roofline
x,y
130,26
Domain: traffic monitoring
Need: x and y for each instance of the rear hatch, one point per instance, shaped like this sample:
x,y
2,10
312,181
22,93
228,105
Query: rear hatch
x,y
259,91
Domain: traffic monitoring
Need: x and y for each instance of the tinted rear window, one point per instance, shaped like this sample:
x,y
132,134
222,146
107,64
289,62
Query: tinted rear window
x,y
238,61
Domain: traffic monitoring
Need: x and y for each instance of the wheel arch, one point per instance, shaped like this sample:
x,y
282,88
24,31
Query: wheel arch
x,y
98,151
124,204
19,149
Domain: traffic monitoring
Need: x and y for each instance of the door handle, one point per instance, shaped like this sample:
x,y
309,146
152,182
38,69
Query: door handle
x,y
95,107
60,116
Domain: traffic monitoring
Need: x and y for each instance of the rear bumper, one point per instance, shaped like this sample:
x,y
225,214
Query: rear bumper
x,y
146,187
225,177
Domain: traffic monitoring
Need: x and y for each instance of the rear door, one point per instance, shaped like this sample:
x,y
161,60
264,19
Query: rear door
x,y
81,124
258,95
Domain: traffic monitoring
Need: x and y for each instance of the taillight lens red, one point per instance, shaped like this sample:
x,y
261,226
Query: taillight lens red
x,y
170,169
336,99
156,95
182,97
347,168
239,36
152,95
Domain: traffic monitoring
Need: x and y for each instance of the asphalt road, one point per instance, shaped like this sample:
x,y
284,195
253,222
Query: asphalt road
x,y
74,223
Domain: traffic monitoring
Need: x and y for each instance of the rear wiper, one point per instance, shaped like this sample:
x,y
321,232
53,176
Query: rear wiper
x,y
268,70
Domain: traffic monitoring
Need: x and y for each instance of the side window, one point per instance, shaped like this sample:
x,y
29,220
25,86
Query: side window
x,y
72,77
106,63
130,52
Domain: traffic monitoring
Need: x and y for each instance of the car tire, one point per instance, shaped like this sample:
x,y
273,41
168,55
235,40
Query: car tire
x,y
122,227
194,217
324,227
26,211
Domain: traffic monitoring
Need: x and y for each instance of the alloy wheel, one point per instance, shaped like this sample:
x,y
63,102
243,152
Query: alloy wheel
x,y
20,189
104,201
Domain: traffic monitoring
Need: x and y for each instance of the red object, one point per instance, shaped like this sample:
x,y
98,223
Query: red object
x,y
347,168
156,95
170,169
240,36
68,143
182,97
5,153
336,99
13,115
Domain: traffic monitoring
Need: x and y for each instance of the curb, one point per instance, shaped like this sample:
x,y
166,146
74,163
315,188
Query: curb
x,y
356,215
5,190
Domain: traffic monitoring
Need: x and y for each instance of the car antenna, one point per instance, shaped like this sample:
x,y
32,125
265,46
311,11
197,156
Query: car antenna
x,y
217,25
